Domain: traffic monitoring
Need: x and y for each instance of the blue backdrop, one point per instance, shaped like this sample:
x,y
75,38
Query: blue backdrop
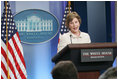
x,y
38,56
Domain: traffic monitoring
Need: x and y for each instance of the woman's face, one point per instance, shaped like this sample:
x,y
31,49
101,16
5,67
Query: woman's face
x,y
74,25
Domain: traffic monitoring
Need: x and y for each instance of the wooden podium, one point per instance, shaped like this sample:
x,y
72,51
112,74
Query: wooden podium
x,y
88,58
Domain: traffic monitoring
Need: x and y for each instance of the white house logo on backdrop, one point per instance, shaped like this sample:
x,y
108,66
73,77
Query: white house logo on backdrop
x,y
36,26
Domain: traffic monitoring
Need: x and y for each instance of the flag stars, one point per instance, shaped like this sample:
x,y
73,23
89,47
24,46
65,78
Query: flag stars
x,y
3,27
8,15
5,19
9,35
2,35
7,23
9,31
8,19
61,29
4,23
2,31
63,18
5,39
64,15
12,27
64,29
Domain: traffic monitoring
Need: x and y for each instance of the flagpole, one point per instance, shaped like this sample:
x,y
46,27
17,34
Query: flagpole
x,y
7,41
69,3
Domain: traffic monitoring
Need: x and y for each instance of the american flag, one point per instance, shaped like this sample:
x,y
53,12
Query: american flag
x,y
63,28
16,67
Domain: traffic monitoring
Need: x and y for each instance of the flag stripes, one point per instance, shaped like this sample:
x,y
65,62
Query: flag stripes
x,y
17,59
5,71
13,55
1,76
11,65
17,48
13,49
5,67
18,55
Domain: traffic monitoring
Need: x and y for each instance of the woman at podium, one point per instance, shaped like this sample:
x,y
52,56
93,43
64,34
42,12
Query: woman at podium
x,y
74,36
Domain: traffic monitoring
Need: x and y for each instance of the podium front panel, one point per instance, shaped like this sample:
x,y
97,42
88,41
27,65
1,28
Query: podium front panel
x,y
72,52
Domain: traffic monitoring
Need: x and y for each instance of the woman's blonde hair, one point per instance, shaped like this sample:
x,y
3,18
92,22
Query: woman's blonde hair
x,y
70,17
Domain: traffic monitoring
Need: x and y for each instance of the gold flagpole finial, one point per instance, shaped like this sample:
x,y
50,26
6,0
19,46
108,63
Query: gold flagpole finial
x,y
69,3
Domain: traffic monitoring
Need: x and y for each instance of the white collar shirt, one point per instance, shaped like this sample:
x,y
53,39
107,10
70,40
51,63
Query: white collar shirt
x,y
66,39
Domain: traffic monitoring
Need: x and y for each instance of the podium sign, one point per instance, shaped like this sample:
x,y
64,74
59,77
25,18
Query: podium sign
x,y
94,55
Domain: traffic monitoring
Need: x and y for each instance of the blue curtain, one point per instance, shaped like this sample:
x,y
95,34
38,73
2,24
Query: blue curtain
x,y
113,27
57,9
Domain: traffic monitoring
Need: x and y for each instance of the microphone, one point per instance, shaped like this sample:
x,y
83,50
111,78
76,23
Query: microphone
x,y
71,38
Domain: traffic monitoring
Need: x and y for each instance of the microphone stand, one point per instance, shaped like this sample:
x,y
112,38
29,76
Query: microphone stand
x,y
71,38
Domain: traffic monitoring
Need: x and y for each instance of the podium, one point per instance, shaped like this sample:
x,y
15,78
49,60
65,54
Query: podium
x,y
88,58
